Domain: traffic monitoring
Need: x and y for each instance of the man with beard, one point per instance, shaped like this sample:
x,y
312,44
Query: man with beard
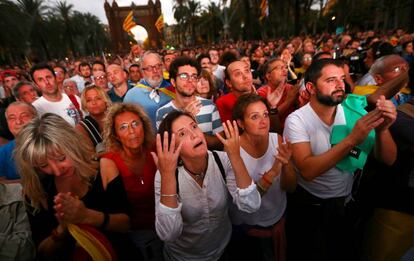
x,y
317,209
184,73
151,92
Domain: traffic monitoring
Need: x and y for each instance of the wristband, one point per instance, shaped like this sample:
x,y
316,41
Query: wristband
x,y
105,221
273,111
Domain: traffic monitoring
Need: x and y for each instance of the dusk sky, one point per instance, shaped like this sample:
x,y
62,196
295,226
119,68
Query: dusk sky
x,y
96,7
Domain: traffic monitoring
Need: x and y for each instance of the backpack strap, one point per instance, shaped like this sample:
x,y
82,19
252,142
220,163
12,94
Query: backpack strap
x,y
177,185
220,165
407,108
91,126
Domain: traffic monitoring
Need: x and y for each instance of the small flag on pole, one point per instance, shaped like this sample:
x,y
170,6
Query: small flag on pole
x,y
159,24
129,22
264,9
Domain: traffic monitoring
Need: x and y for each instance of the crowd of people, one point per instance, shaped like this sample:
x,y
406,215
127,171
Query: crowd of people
x,y
290,149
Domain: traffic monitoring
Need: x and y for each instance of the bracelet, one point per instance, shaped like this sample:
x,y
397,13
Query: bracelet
x,y
169,195
269,182
105,221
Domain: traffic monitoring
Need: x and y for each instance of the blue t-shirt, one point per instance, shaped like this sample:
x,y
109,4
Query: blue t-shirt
x,y
7,165
114,97
141,96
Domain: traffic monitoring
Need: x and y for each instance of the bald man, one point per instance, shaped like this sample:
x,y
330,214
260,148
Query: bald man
x,y
119,80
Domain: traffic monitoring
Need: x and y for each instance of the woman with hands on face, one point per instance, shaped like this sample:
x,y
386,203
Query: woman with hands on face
x,y
63,185
261,235
194,188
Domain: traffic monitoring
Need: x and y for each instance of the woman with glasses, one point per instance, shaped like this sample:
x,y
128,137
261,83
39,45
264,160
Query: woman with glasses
x,y
261,235
95,102
129,140
194,188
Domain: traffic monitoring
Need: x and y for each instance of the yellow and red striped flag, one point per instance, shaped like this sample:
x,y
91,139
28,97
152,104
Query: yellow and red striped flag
x,y
159,24
129,22
264,9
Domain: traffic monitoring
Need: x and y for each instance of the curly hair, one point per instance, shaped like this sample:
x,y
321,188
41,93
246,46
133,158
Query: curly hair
x,y
110,137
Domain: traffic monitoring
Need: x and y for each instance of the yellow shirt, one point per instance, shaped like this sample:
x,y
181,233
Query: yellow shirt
x,y
369,89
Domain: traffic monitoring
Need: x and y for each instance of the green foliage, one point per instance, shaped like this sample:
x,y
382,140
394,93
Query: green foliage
x,y
33,29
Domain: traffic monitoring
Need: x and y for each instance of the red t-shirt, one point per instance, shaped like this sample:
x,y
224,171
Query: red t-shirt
x,y
140,192
225,106
262,91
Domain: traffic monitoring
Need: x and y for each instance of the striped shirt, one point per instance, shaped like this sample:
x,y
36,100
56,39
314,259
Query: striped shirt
x,y
208,118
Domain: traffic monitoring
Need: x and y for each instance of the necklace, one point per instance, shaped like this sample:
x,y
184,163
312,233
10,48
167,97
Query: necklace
x,y
198,176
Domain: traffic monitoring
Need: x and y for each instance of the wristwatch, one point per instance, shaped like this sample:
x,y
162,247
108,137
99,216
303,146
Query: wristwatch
x,y
273,111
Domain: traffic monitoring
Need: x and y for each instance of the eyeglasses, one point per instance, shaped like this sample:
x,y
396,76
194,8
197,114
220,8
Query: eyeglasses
x,y
156,67
124,126
279,68
100,77
187,77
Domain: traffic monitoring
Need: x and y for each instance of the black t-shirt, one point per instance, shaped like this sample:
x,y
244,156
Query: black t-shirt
x,y
111,200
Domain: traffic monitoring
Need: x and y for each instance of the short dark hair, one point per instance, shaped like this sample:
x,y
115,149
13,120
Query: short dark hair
x,y
84,64
314,72
202,56
182,61
40,66
227,58
133,65
100,63
318,55
167,122
61,67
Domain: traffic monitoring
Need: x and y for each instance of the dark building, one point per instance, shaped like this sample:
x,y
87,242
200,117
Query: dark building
x,y
145,16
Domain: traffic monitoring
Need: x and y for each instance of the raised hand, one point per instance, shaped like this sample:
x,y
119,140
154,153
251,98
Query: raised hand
x,y
389,113
193,107
274,97
232,141
167,154
284,152
364,125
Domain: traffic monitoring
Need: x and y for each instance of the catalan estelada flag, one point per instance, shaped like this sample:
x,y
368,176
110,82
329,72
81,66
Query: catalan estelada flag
x,y
264,9
129,22
159,24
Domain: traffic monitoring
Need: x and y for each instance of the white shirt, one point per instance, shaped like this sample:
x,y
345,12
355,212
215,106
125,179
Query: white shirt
x,y
304,125
219,72
274,201
199,228
64,108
